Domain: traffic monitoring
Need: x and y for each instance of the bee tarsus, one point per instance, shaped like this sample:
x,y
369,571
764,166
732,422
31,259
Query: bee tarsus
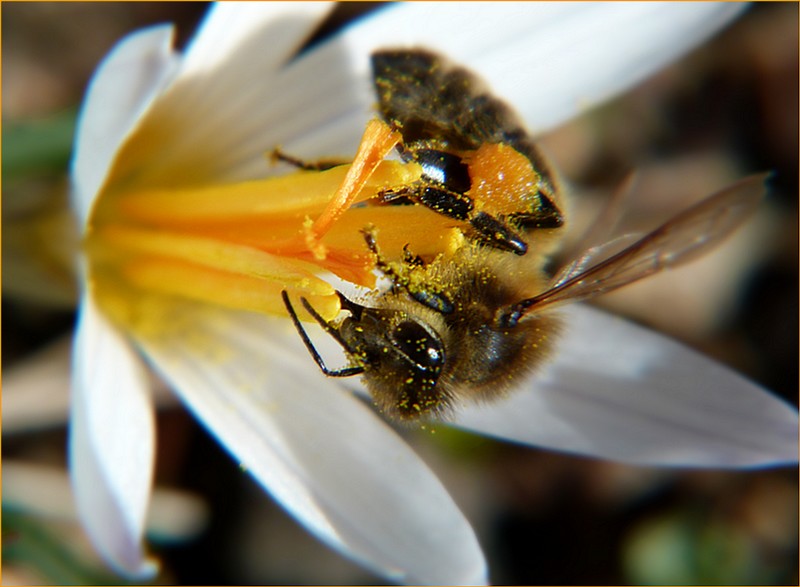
x,y
498,234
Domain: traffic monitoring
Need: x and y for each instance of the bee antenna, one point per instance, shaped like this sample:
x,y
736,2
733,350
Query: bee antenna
x,y
347,371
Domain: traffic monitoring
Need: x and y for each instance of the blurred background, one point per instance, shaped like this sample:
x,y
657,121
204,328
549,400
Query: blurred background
x,y
727,110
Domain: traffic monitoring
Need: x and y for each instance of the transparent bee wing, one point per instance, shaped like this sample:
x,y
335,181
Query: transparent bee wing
x,y
594,255
686,236
590,245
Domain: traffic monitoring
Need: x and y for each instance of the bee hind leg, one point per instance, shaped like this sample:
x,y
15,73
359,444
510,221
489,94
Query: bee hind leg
x,y
498,234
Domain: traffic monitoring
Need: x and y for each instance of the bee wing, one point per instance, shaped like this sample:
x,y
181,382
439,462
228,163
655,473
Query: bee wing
x,y
594,243
688,235
595,255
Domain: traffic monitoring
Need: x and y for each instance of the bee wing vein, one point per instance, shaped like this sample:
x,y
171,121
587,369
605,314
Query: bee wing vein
x,y
681,239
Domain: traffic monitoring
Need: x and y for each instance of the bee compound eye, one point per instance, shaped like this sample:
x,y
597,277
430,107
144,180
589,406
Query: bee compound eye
x,y
420,345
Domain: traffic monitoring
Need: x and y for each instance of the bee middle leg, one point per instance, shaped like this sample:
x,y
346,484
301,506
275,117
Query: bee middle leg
x,y
490,230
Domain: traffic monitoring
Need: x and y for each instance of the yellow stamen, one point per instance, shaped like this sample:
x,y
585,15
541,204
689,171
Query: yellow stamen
x,y
238,245
378,140
224,288
272,200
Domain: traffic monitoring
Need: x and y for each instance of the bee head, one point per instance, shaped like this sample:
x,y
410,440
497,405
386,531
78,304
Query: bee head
x,y
403,357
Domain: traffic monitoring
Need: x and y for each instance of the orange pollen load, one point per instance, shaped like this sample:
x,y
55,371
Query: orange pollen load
x,y
502,177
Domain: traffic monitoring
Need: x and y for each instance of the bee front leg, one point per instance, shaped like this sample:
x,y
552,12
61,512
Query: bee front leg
x,y
411,259
401,276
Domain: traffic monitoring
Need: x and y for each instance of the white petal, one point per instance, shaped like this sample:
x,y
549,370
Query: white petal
x,y
621,392
270,31
223,114
111,442
36,392
121,91
44,490
549,60
322,454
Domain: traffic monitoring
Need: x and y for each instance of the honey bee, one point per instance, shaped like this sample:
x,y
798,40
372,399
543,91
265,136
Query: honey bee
x,y
470,324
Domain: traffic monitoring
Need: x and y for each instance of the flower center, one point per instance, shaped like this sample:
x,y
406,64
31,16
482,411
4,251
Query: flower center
x,y
238,245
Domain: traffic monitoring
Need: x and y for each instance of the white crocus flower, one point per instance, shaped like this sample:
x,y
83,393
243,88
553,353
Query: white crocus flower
x,y
167,143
